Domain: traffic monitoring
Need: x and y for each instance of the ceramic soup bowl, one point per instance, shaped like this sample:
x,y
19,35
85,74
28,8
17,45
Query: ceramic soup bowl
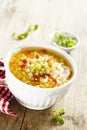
x,y
34,97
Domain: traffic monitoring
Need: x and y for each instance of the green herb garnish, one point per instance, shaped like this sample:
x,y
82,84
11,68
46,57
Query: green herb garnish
x,y
32,28
25,34
64,39
57,115
41,67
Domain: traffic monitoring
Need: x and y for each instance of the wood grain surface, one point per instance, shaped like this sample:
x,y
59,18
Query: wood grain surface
x,y
67,15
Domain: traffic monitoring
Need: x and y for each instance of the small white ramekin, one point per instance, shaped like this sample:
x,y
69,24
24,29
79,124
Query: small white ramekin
x,y
67,49
33,97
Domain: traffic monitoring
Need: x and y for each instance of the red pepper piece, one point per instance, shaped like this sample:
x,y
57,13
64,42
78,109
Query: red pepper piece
x,y
37,56
24,61
54,80
36,77
23,65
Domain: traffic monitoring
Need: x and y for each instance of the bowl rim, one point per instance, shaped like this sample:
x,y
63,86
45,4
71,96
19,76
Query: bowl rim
x,y
45,46
65,48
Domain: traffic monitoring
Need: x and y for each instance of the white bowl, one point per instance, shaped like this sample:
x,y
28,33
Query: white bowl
x,y
67,49
33,97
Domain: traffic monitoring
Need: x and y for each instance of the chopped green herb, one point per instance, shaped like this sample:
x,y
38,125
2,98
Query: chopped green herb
x,y
64,39
57,115
25,34
20,36
33,28
41,66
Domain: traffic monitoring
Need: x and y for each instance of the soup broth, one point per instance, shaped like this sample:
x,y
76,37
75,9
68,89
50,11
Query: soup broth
x,y
40,67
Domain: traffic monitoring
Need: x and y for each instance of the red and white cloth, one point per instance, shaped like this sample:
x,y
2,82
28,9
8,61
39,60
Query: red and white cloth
x,y
5,94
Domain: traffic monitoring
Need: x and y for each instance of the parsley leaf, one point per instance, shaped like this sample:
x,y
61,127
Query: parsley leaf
x,y
57,115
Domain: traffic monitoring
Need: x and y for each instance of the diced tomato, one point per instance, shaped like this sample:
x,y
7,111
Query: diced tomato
x,y
24,61
23,65
44,50
36,77
54,80
37,56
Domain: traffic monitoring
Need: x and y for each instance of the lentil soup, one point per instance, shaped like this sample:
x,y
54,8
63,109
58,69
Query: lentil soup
x,y
40,68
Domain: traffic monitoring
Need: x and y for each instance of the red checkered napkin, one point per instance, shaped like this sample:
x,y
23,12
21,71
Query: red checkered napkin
x,y
5,94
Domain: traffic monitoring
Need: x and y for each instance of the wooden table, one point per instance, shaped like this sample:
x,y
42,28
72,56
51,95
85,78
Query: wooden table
x,y
67,15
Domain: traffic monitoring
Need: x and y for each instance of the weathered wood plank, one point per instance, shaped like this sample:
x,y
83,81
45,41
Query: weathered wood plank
x,y
12,123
